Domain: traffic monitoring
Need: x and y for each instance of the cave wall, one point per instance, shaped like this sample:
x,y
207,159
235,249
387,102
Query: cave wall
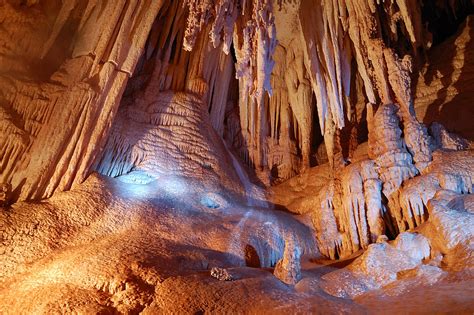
x,y
64,67
444,84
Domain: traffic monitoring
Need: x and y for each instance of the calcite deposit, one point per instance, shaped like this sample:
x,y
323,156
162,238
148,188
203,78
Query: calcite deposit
x,y
236,156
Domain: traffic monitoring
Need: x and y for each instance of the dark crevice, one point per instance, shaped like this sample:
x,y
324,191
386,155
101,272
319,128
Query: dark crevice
x,y
440,19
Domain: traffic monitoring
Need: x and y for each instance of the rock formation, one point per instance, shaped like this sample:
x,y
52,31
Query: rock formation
x,y
221,274
288,269
145,145
379,266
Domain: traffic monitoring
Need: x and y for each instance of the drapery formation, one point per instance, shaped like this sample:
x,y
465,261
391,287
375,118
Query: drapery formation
x,y
64,66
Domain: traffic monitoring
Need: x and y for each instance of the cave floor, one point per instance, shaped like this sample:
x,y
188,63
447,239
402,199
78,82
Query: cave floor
x,y
112,246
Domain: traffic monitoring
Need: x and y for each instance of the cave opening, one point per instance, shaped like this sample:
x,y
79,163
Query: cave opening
x,y
251,257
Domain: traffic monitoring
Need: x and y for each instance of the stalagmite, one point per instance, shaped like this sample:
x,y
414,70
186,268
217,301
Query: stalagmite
x,y
351,215
288,269
416,135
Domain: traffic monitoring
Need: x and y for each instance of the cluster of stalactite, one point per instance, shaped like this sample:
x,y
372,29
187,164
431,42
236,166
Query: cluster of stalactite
x,y
205,71
254,37
335,47
366,199
176,107
250,27
338,34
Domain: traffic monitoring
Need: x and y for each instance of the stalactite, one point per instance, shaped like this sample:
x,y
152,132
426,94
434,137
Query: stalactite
x,y
328,56
254,37
381,195
252,29
357,30
334,33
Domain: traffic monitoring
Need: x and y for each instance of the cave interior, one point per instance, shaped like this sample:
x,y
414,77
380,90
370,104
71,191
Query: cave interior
x,y
234,156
